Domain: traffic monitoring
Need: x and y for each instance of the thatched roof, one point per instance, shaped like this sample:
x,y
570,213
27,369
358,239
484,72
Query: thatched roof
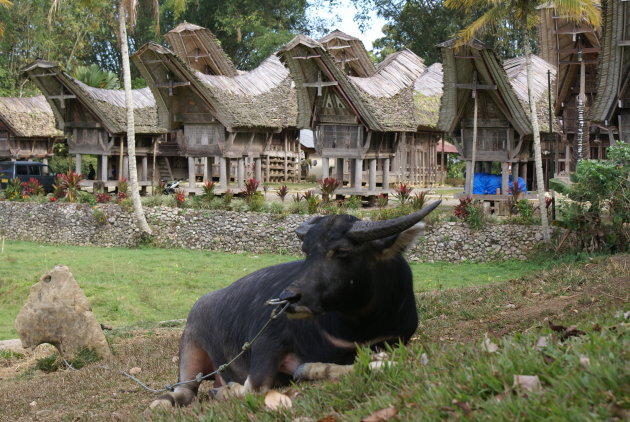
x,y
614,64
428,95
383,102
29,117
199,48
459,65
261,98
558,38
516,71
350,52
105,105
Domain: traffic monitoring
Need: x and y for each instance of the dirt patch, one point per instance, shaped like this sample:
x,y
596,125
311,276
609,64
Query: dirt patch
x,y
563,295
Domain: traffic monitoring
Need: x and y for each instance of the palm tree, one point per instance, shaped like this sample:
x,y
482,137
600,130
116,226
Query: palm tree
x,y
126,15
522,14
4,3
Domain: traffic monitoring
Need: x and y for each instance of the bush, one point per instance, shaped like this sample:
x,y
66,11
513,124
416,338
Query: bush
x,y
67,186
355,202
250,189
256,202
328,186
282,192
13,191
471,212
86,198
402,193
103,198
418,200
207,189
599,209
276,208
32,188
99,217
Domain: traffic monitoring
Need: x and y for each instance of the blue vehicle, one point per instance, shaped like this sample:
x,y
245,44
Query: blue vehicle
x,y
25,170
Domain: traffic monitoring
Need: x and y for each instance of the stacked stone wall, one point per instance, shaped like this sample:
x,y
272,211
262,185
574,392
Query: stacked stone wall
x,y
229,231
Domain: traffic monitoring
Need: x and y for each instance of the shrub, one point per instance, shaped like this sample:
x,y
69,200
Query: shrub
x,y
180,198
86,198
599,211
328,186
159,188
265,188
476,218
298,207
208,190
282,192
250,188
402,193
123,189
312,201
418,200
382,200
103,198
276,208
454,181
13,190
126,205
99,217
355,202
461,210
67,186
256,202
525,210
32,188
297,197
227,197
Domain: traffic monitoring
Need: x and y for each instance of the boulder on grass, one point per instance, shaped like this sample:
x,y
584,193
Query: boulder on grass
x,y
57,312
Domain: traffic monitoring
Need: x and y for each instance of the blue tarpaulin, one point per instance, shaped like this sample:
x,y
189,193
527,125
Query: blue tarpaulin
x,y
487,184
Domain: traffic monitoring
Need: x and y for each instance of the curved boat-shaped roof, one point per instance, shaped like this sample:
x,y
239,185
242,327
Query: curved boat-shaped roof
x,y
29,117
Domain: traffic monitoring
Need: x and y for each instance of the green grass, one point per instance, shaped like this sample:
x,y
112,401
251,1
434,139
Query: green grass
x,y
465,382
135,286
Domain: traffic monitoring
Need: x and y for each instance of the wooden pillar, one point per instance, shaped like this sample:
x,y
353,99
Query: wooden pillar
x,y
145,169
257,169
191,172
240,172
325,168
352,167
515,172
223,180
339,170
267,169
358,173
121,163
286,157
505,174
372,175
78,163
103,168
468,187
524,175
385,173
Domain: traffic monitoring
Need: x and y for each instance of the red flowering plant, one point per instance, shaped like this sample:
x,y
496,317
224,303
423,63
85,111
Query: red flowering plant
x,y
67,186
32,188
328,186
461,210
123,189
103,198
180,197
402,192
283,191
250,188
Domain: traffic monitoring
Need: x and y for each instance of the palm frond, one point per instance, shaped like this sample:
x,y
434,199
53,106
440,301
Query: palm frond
x,y
6,3
488,20
585,11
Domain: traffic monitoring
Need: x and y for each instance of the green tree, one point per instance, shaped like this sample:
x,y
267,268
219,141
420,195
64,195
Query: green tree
x,y
249,30
93,75
522,15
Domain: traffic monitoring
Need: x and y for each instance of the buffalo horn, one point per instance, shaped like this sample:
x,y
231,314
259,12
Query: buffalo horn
x,y
303,228
364,231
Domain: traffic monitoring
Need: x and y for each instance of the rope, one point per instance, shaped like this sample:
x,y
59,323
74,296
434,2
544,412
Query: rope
x,y
282,305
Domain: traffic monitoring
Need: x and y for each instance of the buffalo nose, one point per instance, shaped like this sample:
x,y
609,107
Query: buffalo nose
x,y
290,296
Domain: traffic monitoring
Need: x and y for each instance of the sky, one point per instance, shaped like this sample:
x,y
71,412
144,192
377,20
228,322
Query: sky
x,y
345,14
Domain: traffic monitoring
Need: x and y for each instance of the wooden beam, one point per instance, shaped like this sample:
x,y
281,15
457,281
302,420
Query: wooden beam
x,y
314,56
466,57
584,50
41,75
578,61
624,103
574,31
623,43
319,84
170,85
338,47
87,125
153,61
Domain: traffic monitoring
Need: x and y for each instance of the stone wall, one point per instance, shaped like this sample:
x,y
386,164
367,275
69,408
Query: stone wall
x,y
109,225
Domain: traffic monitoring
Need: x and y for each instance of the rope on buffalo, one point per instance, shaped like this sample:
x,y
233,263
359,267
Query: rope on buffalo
x,y
281,306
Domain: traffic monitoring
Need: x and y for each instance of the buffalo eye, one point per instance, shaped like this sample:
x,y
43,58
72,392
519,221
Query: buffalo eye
x,y
341,253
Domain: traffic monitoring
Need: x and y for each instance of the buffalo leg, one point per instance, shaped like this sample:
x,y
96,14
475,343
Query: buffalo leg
x,y
315,371
193,360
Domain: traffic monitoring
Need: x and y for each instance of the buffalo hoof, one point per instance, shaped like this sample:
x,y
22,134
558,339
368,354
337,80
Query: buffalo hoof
x,y
230,391
161,404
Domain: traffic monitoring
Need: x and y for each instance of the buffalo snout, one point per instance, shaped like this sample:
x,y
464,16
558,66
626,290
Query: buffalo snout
x,y
290,296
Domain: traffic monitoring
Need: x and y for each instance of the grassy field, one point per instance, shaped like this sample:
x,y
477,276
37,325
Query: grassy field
x,y
564,326
138,286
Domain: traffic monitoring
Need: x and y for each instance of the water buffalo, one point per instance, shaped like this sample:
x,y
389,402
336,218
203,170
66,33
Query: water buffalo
x,y
353,287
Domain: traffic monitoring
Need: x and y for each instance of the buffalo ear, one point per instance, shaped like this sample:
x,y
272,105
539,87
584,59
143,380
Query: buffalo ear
x,y
395,245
